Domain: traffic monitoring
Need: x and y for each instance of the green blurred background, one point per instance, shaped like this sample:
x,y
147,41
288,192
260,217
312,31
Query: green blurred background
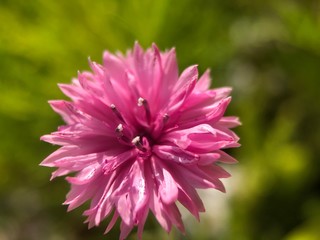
x,y
268,51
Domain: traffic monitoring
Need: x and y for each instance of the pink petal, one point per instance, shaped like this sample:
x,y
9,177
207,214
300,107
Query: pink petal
x,y
157,209
196,116
175,216
67,110
125,230
199,179
112,222
86,175
183,88
226,158
209,158
204,82
202,138
72,91
229,122
222,92
142,219
175,154
168,189
124,208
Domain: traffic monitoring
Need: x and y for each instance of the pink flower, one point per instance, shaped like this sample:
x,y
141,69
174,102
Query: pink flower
x,y
140,137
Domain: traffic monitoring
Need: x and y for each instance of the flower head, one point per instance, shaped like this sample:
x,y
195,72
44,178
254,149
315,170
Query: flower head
x,y
140,137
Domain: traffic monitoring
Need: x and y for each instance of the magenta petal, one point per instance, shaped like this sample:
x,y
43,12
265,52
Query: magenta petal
x,y
165,77
226,158
139,192
175,216
186,77
204,82
111,164
66,110
199,179
209,158
202,138
61,153
114,66
112,222
142,219
79,195
168,189
72,91
139,137
183,88
124,208
156,207
190,199
60,172
175,154
195,116
86,175
222,93
125,230
229,122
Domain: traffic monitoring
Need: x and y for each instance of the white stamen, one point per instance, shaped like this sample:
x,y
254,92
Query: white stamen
x,y
136,140
119,128
144,103
141,101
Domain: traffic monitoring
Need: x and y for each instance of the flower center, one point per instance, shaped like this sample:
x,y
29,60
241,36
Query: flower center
x,y
140,138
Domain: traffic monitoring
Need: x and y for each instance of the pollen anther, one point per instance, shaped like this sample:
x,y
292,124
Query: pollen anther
x,y
119,129
141,101
137,142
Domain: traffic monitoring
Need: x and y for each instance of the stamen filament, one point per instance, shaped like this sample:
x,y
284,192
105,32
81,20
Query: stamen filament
x,y
137,142
144,103
116,112
120,135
